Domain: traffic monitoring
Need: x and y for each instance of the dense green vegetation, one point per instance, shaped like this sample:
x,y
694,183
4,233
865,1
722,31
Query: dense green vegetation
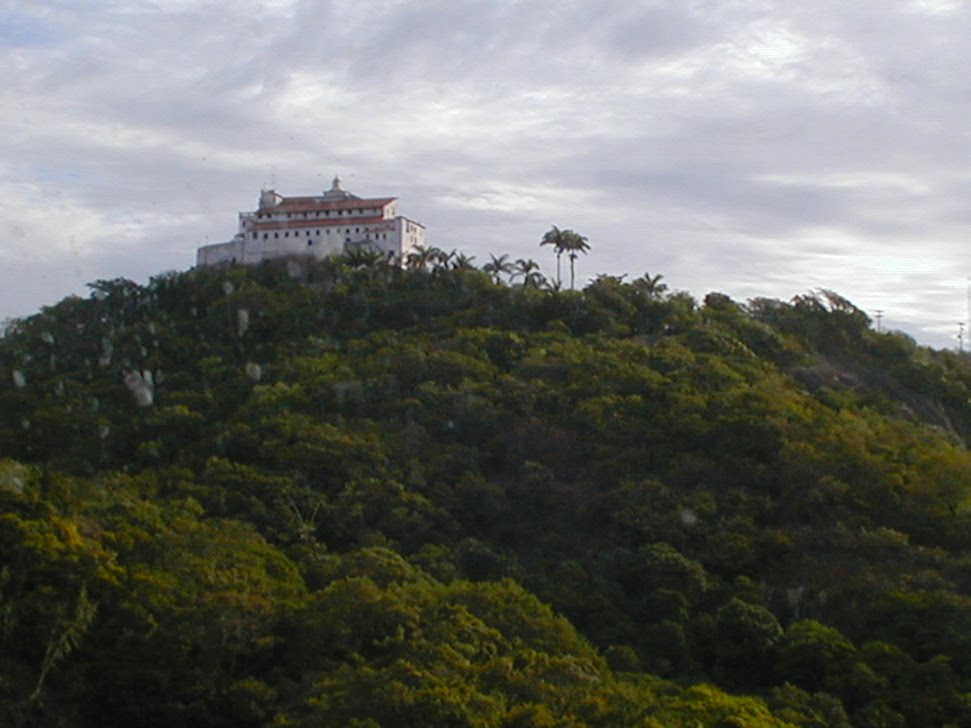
x,y
349,494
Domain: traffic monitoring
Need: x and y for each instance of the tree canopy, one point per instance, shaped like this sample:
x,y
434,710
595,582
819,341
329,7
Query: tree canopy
x,y
349,492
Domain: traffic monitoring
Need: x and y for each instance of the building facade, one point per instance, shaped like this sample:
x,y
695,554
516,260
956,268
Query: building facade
x,y
330,224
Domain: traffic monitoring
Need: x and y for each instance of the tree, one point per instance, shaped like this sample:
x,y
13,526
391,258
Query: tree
x,y
746,637
420,257
497,266
363,257
651,285
529,270
440,259
461,261
814,656
554,236
565,241
575,244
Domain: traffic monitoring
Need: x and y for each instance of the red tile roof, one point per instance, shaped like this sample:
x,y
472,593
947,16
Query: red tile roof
x,y
312,204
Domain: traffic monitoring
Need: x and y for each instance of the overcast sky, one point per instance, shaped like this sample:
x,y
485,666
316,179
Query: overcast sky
x,y
752,147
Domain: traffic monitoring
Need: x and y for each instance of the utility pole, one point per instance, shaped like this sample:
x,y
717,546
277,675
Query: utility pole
x,y
879,321
960,337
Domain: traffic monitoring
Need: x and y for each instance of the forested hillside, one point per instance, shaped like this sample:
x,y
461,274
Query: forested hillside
x,y
350,494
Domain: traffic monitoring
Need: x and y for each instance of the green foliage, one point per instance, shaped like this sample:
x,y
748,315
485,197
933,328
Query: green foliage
x,y
815,656
350,493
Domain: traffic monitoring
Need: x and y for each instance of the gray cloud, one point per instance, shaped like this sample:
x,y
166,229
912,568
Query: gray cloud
x,y
756,147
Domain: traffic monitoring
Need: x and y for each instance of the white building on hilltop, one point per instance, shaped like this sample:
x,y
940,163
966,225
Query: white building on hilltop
x,y
319,226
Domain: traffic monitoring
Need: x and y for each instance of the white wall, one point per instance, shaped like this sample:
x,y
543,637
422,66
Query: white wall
x,y
397,236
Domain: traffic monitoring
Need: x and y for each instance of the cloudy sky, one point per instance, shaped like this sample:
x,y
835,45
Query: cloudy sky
x,y
752,147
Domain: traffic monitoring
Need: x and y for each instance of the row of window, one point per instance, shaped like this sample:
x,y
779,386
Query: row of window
x,y
296,233
369,212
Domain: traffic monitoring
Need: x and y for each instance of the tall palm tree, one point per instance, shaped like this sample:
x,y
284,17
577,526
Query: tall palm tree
x,y
554,237
569,242
574,244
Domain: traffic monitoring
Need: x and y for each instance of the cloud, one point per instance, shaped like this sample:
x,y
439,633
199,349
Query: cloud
x,y
757,148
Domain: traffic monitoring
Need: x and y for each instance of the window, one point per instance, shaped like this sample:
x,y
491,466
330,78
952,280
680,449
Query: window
x,y
286,234
276,235
308,233
254,236
266,235
310,242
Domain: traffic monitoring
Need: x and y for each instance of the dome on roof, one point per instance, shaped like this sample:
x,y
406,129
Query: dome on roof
x,y
336,192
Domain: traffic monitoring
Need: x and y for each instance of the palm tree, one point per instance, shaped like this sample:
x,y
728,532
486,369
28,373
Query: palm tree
x,y
419,257
529,270
651,285
565,241
554,237
363,257
574,244
461,261
439,258
497,266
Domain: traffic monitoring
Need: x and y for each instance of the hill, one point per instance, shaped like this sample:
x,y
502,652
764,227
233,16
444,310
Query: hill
x,y
346,493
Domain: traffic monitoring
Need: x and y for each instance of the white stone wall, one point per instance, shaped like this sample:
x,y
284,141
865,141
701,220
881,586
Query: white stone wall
x,y
411,234
218,253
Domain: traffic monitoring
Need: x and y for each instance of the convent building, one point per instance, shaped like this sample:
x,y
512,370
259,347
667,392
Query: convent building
x,y
330,224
